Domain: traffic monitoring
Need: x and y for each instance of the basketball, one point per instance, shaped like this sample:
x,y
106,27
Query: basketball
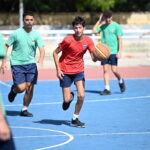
x,y
101,51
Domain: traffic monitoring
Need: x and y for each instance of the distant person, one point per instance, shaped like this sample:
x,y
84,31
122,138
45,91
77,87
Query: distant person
x,y
112,37
23,66
70,66
145,33
6,140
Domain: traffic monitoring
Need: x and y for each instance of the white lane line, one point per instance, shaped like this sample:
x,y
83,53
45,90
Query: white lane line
x,y
86,134
40,136
113,133
86,101
49,130
5,84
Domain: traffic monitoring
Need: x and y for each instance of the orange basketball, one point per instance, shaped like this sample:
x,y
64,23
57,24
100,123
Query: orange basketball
x,y
101,51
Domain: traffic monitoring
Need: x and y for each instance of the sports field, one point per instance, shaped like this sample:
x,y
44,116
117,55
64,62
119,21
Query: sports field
x,y
115,122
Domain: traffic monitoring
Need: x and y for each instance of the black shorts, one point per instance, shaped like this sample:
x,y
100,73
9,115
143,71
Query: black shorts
x,y
111,60
68,79
7,145
24,73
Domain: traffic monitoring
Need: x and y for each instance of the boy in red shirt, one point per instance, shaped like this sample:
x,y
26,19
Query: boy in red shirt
x,y
70,66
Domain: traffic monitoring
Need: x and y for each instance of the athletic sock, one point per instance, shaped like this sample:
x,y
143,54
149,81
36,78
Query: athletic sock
x,y
24,108
107,87
121,81
75,116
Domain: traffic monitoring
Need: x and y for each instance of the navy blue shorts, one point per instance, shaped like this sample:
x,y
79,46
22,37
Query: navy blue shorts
x,y
68,79
7,145
111,60
24,73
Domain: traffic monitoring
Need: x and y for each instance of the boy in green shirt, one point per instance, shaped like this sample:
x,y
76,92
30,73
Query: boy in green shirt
x,y
112,37
22,60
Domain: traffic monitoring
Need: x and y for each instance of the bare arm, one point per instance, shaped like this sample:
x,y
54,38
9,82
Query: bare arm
x,y
4,60
146,33
93,56
42,54
55,56
119,55
4,129
98,23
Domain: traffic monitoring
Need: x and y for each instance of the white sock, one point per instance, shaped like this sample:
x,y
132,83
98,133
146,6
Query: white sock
x,y
75,116
120,81
107,87
24,108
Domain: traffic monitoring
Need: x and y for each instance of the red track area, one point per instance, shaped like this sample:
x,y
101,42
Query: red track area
x,y
92,73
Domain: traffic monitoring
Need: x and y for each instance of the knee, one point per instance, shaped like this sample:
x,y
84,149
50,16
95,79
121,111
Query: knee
x,y
105,71
29,88
81,97
20,89
114,71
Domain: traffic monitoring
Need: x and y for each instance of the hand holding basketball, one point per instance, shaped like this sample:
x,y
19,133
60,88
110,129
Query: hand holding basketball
x,y
101,51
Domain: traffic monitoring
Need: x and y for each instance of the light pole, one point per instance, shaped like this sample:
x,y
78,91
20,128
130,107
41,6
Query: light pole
x,y
20,13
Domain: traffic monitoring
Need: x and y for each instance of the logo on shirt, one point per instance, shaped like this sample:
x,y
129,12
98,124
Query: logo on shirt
x,y
33,42
113,30
84,47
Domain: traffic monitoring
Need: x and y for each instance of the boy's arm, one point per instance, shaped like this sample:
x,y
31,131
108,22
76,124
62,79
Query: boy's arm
x,y
98,23
119,55
56,60
143,34
42,54
4,61
4,129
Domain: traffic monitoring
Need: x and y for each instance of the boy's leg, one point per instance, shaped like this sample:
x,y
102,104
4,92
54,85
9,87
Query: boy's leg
x,y
114,68
67,97
19,84
80,90
15,89
31,79
28,94
27,99
118,76
80,96
106,91
115,72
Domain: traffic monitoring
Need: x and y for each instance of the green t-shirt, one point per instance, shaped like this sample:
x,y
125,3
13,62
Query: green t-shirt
x,y
2,47
110,34
24,46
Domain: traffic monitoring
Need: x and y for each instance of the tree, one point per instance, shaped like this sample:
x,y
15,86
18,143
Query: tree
x,y
97,5
76,5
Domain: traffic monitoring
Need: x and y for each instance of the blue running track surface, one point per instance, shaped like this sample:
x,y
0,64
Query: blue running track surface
x,y
120,121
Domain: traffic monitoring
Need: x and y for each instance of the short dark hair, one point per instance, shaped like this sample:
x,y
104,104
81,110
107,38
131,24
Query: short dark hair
x,y
107,13
27,13
78,20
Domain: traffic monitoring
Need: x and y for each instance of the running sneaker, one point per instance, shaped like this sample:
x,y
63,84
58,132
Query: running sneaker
x,y
77,123
65,105
105,92
122,86
11,95
25,113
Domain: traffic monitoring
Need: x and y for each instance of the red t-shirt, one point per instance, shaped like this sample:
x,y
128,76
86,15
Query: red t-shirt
x,y
71,60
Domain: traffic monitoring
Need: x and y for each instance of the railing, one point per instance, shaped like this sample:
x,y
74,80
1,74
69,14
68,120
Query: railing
x,y
59,34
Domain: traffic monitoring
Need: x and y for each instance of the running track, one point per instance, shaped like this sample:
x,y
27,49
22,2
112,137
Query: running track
x,y
93,73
